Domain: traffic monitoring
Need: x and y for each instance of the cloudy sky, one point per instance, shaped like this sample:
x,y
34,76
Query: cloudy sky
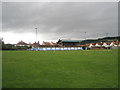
x,y
58,20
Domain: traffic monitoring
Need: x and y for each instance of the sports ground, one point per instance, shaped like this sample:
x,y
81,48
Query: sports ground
x,y
60,69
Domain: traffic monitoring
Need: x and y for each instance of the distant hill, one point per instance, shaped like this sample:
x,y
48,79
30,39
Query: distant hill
x,y
105,39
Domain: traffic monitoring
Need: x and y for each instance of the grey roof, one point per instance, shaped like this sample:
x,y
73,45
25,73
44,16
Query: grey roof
x,y
71,40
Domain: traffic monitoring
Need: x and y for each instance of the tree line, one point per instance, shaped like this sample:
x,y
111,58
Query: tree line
x,y
4,46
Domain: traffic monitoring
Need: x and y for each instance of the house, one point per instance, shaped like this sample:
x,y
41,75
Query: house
x,y
46,43
36,44
21,43
91,45
98,44
105,44
111,44
53,43
95,45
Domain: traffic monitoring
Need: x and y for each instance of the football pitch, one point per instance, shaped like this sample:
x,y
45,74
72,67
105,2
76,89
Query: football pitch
x,y
60,69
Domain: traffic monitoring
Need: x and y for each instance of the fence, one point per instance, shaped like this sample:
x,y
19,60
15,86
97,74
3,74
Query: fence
x,y
56,48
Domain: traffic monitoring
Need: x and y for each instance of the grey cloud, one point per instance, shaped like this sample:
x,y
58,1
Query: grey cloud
x,y
61,19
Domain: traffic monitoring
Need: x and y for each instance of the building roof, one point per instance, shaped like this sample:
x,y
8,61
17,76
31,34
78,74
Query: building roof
x,y
100,43
71,40
21,43
46,43
35,44
53,43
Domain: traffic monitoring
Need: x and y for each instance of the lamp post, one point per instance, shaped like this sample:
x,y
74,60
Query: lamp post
x,y
106,34
36,34
85,35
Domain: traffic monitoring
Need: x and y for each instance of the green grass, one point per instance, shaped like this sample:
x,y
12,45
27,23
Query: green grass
x,y
60,69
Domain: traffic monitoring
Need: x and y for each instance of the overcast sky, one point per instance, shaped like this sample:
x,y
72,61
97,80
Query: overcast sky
x,y
58,20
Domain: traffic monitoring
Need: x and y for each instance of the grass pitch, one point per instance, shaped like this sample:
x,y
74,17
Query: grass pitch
x,y
60,69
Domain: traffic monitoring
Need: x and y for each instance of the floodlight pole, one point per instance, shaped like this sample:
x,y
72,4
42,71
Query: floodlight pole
x,y
36,34
106,34
85,35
